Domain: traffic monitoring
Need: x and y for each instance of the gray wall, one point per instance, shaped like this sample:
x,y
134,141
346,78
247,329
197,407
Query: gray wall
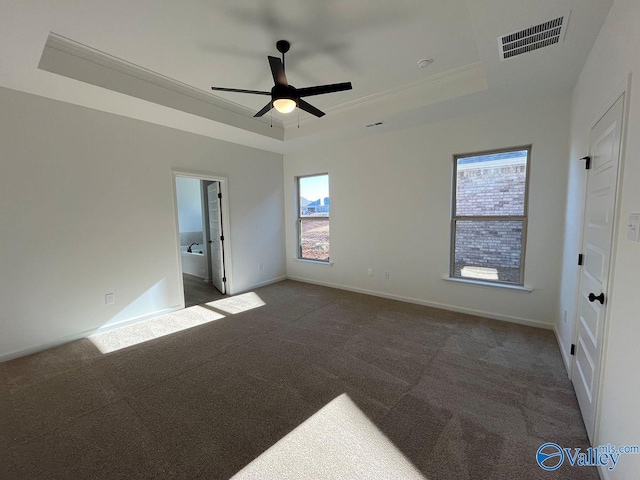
x,y
613,57
189,201
87,208
391,209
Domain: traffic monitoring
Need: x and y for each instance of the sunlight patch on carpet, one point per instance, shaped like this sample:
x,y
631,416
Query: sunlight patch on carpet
x,y
338,441
238,303
158,327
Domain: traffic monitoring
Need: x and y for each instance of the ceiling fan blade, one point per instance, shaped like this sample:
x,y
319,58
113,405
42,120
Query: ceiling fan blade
x,y
277,70
256,92
264,110
322,89
307,107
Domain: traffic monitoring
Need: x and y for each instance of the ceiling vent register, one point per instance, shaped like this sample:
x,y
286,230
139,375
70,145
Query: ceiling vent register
x,y
533,38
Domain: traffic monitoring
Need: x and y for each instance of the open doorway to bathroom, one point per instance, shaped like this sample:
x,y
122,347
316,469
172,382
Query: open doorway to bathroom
x,y
203,225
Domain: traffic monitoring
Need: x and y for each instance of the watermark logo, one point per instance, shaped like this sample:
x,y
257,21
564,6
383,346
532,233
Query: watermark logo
x,y
550,456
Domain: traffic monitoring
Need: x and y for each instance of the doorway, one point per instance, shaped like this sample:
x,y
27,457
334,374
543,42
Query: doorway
x,y
596,253
202,228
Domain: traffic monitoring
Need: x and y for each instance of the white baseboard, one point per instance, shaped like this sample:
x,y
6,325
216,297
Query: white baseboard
x,y
443,306
77,336
70,338
112,326
604,473
131,321
262,284
563,352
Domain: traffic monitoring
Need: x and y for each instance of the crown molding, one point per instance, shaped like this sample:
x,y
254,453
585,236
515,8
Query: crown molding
x,y
431,82
70,61
84,52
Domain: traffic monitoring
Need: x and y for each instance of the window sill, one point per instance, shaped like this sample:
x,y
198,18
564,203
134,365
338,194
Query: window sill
x,y
480,283
316,262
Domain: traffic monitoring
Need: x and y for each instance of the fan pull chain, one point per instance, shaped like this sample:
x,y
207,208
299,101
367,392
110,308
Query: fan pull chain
x,y
298,117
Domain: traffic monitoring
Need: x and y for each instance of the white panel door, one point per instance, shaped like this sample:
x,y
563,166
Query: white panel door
x,y
597,238
215,237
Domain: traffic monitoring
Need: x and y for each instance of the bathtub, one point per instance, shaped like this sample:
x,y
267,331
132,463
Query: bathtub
x,y
194,262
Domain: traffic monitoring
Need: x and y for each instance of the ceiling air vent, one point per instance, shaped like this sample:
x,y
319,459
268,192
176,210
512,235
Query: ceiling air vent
x,y
539,36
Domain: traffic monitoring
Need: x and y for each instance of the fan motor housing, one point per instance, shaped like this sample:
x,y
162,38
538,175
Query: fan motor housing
x,y
284,91
283,46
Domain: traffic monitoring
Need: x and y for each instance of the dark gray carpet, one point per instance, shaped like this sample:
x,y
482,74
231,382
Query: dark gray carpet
x,y
462,397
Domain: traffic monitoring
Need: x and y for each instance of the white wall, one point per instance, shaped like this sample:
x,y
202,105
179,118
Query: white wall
x,y
189,201
390,209
613,57
87,208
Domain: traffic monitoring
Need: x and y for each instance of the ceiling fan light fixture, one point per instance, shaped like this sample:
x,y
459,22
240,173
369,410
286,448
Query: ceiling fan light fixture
x,y
284,97
284,105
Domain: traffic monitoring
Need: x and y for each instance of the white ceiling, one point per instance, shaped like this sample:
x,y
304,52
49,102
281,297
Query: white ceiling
x,y
374,44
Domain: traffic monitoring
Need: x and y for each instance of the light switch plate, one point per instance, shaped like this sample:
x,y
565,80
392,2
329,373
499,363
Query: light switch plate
x,y
633,227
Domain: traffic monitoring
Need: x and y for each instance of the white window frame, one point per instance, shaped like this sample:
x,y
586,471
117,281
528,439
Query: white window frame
x,y
301,219
485,218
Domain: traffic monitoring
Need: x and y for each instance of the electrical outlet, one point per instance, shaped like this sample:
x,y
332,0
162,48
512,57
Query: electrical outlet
x,y
386,274
260,266
370,272
110,299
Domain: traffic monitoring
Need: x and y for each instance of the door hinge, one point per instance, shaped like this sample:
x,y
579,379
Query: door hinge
x,y
224,279
219,195
222,238
573,349
580,259
587,163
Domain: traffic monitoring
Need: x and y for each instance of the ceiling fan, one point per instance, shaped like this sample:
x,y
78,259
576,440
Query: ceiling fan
x,y
284,97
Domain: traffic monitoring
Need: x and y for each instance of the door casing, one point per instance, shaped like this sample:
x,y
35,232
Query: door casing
x,y
224,189
621,90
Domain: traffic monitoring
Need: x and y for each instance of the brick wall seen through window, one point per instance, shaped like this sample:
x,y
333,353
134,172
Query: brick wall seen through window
x,y
489,222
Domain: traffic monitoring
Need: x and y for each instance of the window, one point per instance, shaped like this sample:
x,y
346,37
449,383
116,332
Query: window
x,y
489,215
313,217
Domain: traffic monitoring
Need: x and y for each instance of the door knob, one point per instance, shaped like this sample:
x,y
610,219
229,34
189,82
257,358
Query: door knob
x,y
600,298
